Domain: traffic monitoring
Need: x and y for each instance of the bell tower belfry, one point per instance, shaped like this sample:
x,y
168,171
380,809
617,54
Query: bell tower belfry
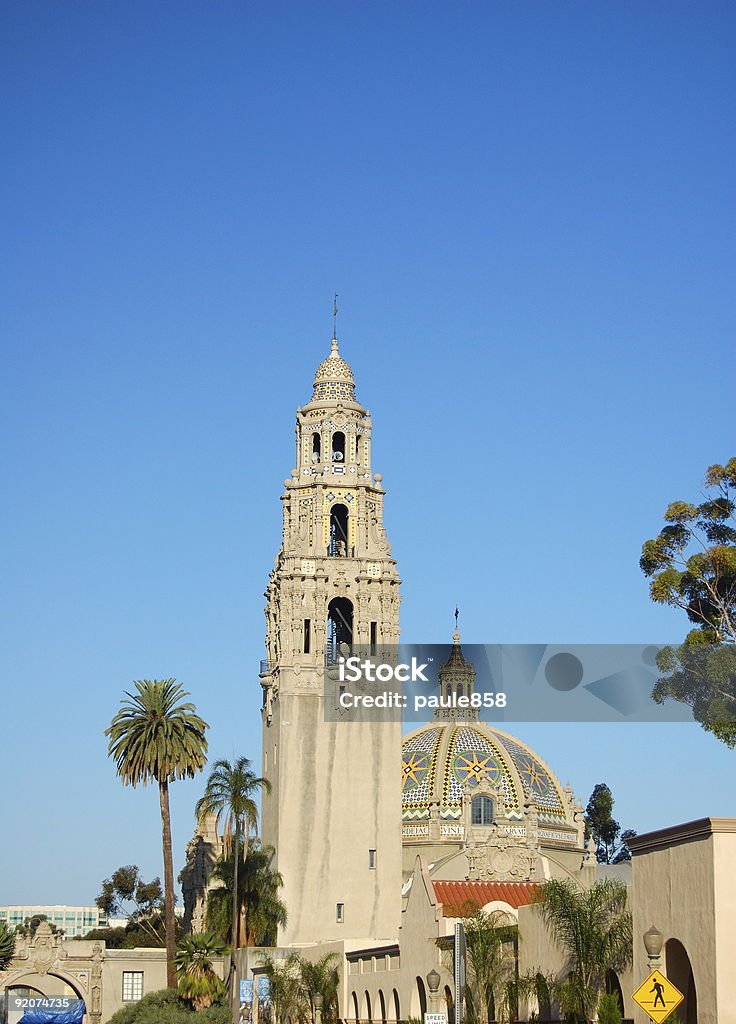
x,y
333,814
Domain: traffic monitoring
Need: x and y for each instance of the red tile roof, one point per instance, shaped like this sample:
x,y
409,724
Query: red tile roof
x,y
459,899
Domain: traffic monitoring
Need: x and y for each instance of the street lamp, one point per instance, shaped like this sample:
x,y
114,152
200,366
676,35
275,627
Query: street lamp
x,y
653,942
433,980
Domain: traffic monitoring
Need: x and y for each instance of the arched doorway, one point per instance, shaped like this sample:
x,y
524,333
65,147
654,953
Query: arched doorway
x,y
356,1016
680,972
449,1005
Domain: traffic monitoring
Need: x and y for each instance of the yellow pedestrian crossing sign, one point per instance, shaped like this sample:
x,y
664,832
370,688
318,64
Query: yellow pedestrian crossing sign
x,y
658,997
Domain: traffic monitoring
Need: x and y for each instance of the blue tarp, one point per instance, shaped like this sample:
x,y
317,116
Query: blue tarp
x,y
72,1013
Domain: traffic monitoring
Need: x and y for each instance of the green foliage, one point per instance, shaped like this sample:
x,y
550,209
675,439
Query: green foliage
x,y
199,983
608,1010
491,967
149,934
167,1007
295,981
593,928
7,946
258,897
610,842
126,894
29,927
229,796
156,736
692,565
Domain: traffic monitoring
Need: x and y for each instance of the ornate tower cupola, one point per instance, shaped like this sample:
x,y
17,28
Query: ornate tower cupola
x,y
334,582
457,679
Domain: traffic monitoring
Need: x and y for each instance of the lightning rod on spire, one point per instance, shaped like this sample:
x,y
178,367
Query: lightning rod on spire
x,y
334,318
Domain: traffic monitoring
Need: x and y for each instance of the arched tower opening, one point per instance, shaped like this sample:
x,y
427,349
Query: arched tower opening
x,y
316,447
339,627
338,446
338,544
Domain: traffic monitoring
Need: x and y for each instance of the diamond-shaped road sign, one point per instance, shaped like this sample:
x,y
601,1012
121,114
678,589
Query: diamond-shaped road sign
x,y
658,997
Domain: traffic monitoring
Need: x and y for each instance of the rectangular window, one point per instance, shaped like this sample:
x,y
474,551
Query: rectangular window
x,y
374,636
340,913
307,635
132,986
372,860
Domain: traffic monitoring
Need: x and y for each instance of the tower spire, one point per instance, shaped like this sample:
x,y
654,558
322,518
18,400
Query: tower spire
x,y
334,321
456,634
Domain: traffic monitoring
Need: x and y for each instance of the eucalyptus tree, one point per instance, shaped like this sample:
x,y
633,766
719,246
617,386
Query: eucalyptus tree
x,y
157,736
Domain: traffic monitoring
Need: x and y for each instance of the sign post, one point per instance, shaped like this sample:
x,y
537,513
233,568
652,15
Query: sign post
x,y
658,997
460,970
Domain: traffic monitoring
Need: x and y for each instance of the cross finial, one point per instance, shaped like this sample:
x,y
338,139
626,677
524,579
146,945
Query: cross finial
x,y
456,634
334,318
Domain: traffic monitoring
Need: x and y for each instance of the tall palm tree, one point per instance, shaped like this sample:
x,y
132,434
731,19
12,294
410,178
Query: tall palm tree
x,y
156,736
229,796
594,928
258,895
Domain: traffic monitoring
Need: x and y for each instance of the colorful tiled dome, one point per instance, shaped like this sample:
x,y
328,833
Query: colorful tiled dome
x,y
441,759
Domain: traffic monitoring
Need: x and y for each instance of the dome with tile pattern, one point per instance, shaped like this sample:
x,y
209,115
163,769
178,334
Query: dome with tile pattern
x,y
334,379
442,760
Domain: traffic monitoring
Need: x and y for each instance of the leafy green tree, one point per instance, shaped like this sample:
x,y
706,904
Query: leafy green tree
x,y
692,565
199,983
611,844
261,910
125,894
7,946
158,737
593,928
229,795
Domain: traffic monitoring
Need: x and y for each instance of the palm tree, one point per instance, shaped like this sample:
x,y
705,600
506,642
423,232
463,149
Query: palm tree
x,y
258,886
491,971
7,946
229,796
594,928
198,980
155,736
295,981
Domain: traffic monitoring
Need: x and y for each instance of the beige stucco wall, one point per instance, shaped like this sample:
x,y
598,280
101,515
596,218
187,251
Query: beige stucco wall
x,y
684,884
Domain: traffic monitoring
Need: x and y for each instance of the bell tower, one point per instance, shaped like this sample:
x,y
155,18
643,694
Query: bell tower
x,y
334,811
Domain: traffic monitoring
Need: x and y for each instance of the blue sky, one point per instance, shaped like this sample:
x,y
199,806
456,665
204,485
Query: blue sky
x,y
528,212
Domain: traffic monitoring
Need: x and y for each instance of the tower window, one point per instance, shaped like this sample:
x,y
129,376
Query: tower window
x,y
359,449
316,447
374,637
338,546
339,627
481,810
338,446
340,913
307,635
372,860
